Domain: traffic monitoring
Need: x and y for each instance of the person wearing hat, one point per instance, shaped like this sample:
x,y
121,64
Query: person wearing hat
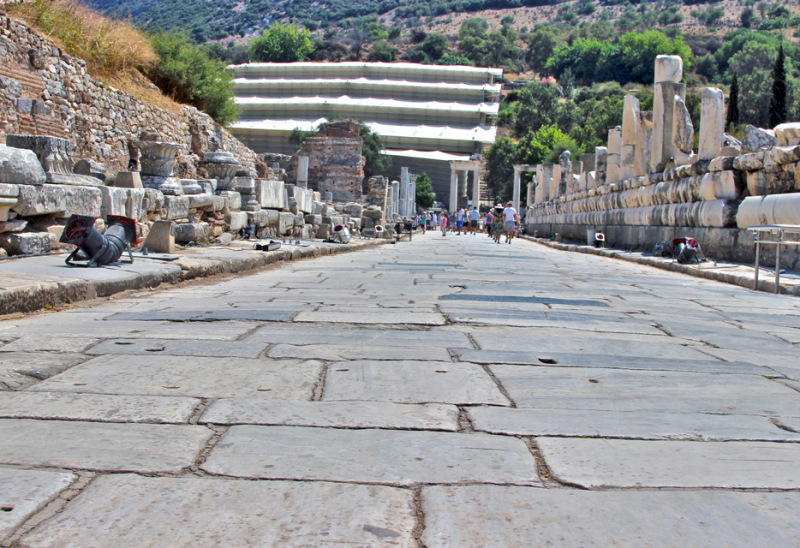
x,y
510,221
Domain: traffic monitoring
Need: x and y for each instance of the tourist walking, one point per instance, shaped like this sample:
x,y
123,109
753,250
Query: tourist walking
x,y
473,220
487,223
497,224
444,223
423,221
510,223
460,220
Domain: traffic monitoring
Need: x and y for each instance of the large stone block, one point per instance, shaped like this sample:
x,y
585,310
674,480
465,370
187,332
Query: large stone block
x,y
756,139
767,210
54,156
9,197
788,134
20,166
27,243
114,200
190,232
236,220
198,201
258,218
718,185
90,168
234,199
160,238
128,179
134,206
176,207
353,209
669,68
270,193
682,127
62,200
285,222
153,200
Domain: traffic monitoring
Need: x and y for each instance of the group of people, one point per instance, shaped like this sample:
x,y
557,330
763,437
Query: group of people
x,y
496,222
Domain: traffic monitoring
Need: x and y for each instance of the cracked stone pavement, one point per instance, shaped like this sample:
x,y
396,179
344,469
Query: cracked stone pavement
x,y
445,392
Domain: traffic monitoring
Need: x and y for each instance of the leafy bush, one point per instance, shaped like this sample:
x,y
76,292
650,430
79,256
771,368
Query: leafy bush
x,y
424,193
382,51
187,74
282,44
376,162
108,47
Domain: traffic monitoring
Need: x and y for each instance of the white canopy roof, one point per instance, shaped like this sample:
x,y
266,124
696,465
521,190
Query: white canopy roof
x,y
346,101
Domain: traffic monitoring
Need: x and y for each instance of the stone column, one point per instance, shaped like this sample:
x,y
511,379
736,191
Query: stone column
x,y
404,188
413,196
453,189
588,166
712,123
396,197
302,171
530,193
555,181
668,74
157,164
631,119
576,172
476,187
221,166
600,167
545,180
515,194
612,162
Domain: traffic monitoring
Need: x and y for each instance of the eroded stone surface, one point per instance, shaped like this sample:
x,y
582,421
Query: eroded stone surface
x,y
360,337
191,512
603,463
352,352
101,446
167,347
96,407
411,382
21,369
376,456
624,424
189,376
344,414
457,516
49,343
25,492
371,316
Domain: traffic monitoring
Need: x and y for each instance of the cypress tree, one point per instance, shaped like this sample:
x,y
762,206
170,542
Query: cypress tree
x,y
777,105
733,103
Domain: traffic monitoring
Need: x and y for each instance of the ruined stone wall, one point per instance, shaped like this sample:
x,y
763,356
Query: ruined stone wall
x,y
712,194
335,163
44,91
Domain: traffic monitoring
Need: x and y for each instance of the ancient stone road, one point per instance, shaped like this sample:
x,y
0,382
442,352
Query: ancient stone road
x,y
447,392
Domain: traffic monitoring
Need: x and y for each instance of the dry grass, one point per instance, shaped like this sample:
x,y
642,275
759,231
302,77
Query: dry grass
x,y
110,48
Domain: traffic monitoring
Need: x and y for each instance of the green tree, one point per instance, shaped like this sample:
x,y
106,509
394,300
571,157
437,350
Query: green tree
x,y
777,104
435,46
371,148
732,118
542,42
537,106
297,137
186,73
424,193
755,83
500,160
454,59
748,14
382,51
282,44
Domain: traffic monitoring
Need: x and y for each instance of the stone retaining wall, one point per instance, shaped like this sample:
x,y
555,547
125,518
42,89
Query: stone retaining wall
x,y
44,91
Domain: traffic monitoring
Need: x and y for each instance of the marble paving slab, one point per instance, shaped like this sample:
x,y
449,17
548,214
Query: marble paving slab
x,y
147,448
180,347
375,315
411,382
25,492
361,337
359,352
96,407
626,424
195,512
626,390
344,414
510,516
189,376
605,463
374,456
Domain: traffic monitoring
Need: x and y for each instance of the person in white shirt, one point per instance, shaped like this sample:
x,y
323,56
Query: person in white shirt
x,y
434,219
460,220
510,221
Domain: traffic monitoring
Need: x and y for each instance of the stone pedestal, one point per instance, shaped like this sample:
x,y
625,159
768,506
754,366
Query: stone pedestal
x,y
662,148
157,162
55,157
302,171
221,166
245,185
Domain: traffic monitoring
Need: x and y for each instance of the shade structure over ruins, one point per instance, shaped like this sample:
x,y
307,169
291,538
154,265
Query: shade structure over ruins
x,y
426,115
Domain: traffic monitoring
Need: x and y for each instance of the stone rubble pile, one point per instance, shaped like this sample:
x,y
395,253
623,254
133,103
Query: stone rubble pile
x,y
41,186
648,185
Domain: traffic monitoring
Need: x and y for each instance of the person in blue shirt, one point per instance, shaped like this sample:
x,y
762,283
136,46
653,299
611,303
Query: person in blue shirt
x,y
473,220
